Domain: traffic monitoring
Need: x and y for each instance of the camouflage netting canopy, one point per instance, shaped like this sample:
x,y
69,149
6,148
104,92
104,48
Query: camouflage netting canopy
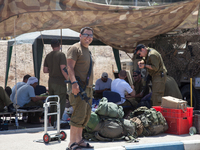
x,y
180,53
121,27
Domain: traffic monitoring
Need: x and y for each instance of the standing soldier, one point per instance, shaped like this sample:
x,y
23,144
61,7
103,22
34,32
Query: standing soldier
x,y
79,66
153,61
54,63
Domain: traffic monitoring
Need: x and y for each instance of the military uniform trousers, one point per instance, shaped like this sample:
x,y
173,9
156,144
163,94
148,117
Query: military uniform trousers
x,y
158,89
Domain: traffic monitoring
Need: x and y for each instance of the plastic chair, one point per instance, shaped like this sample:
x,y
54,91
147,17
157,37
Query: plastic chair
x,y
113,97
40,89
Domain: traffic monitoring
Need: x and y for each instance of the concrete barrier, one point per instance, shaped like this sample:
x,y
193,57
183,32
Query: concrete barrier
x,y
157,146
179,145
192,145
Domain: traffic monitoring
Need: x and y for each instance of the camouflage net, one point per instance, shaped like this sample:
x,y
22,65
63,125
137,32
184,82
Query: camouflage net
x,y
177,63
120,27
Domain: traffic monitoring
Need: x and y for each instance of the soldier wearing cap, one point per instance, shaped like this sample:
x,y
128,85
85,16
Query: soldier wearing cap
x,y
102,84
138,84
153,62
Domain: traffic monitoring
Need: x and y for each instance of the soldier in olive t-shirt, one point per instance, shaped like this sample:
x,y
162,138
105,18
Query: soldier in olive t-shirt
x,y
54,63
78,66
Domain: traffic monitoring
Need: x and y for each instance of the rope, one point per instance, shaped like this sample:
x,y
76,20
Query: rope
x,y
129,56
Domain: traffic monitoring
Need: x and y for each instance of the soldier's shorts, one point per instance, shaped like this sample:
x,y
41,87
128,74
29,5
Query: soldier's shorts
x,y
81,109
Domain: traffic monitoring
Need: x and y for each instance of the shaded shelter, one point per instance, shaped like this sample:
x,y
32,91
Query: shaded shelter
x,y
38,39
121,27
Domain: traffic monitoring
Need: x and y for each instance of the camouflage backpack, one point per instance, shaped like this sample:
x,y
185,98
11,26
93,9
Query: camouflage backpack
x,y
152,120
138,126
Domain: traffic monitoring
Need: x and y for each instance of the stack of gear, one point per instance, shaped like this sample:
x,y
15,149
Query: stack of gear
x,y
107,124
148,121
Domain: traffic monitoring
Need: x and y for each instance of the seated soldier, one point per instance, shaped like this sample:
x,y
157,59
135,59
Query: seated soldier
x,y
8,91
5,101
102,84
141,90
19,84
26,98
26,95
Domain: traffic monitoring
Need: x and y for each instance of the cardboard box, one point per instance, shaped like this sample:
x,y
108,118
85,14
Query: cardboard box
x,y
173,103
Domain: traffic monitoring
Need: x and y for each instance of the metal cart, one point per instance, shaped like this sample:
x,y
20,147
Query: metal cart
x,y
60,135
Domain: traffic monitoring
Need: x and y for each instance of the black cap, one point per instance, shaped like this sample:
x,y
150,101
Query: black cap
x,y
137,71
139,46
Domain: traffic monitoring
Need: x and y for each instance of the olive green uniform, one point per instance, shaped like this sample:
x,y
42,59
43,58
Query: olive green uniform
x,y
171,88
81,109
158,74
56,83
4,99
138,86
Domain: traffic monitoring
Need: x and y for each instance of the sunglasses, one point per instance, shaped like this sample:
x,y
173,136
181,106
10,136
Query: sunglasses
x,y
140,50
135,75
87,35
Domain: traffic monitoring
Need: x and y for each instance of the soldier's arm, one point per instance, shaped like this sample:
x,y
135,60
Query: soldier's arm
x,y
45,69
70,68
63,72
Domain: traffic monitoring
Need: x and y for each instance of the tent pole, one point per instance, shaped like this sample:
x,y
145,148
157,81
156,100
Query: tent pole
x,y
117,59
42,41
9,54
61,39
16,117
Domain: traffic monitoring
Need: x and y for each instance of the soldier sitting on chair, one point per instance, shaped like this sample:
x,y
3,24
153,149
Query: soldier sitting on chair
x,y
5,101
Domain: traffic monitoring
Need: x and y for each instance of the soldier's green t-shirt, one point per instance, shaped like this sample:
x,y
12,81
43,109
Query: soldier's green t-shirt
x,y
138,86
53,61
154,59
171,88
81,55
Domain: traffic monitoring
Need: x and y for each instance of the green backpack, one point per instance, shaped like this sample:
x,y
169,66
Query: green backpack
x,y
109,109
93,122
111,129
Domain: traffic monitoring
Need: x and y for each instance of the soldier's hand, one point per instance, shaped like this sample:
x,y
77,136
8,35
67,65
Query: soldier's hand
x,y
75,88
141,66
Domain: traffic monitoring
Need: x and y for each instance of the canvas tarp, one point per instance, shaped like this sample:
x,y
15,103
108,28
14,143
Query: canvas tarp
x,y
121,27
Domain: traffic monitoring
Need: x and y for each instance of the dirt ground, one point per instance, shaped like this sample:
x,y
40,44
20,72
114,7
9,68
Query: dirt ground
x,y
22,60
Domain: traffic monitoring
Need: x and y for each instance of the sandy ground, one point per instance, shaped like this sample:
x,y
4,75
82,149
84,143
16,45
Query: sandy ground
x,y
23,62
